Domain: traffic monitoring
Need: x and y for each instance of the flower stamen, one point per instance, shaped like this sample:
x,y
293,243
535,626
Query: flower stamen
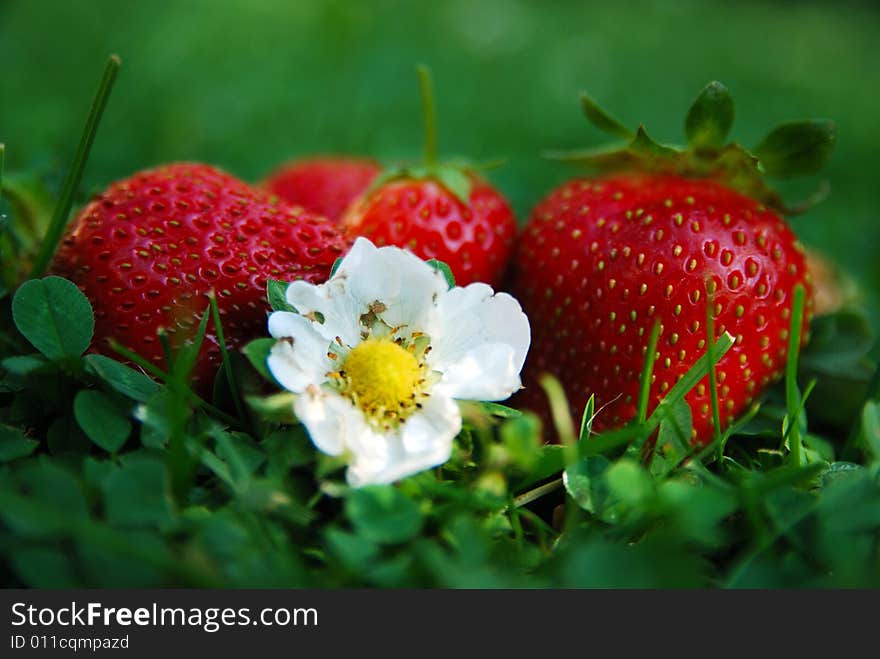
x,y
384,378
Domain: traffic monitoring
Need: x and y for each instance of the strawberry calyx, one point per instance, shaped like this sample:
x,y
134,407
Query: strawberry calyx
x,y
796,148
454,175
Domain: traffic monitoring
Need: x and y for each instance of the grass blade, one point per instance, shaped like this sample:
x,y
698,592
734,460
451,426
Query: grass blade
x,y
587,420
713,381
647,372
2,163
224,354
694,374
792,395
561,415
74,176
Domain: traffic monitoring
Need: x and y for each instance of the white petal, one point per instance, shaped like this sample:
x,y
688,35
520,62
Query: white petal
x,y
332,421
485,373
302,361
423,441
405,285
341,312
428,428
401,281
479,342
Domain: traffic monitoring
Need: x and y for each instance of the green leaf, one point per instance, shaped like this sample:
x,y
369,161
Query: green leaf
x,y
53,499
382,514
276,291
629,482
797,148
602,120
138,494
838,342
550,462
277,407
188,353
587,420
286,449
123,379
710,117
257,353
25,364
355,552
334,267
521,436
644,143
444,269
584,482
102,418
65,436
673,438
871,428
239,452
55,316
456,181
44,567
502,411
14,444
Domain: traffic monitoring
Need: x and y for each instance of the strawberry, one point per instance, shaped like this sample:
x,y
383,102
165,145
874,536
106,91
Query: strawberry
x,y
602,260
325,185
473,238
438,211
148,250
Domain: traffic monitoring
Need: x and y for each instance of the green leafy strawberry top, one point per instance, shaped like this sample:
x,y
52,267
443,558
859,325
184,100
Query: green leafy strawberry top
x,y
796,148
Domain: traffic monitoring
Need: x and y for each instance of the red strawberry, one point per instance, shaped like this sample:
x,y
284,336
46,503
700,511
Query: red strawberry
x,y
601,260
149,249
325,185
474,239
438,211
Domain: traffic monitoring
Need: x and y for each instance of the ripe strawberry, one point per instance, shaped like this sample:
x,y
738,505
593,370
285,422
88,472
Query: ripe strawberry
x,y
474,239
602,259
149,249
325,185
438,211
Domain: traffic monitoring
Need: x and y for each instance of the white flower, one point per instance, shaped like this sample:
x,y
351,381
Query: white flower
x,y
379,353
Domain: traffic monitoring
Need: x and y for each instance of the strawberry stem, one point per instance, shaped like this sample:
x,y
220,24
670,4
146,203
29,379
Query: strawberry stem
x,y
74,176
426,87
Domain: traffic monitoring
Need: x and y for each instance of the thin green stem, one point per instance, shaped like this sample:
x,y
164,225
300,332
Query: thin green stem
x,y
426,86
74,176
135,358
713,382
2,163
561,415
533,495
515,521
647,371
792,395
224,354
164,377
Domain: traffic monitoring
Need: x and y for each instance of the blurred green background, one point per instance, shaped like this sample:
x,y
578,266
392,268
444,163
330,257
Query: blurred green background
x,y
247,84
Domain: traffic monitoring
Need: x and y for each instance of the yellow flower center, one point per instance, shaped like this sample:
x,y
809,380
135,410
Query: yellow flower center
x,y
383,378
